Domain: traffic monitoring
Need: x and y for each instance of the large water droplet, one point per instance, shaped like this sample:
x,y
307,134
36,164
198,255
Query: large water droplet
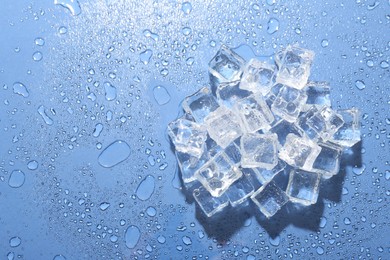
x,y
274,241
186,7
132,236
16,179
161,95
359,171
145,56
37,56
360,84
32,165
72,5
39,41
384,64
45,117
15,241
145,188
187,240
151,211
20,89
110,91
114,154
273,26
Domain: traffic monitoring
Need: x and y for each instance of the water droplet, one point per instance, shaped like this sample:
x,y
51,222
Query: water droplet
x,y
39,41
151,211
164,72
15,241
145,56
98,129
114,154
186,31
161,95
132,236
110,91
37,56
161,239
359,171
274,241
59,257
273,25
360,84
20,89
370,63
345,191
190,61
324,43
187,240
387,175
384,64
323,221
320,250
163,166
62,30
11,256
16,179
45,117
145,188
347,221
72,5
104,205
186,7
32,165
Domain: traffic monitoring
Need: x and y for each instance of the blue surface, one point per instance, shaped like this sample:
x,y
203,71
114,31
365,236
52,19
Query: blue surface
x,y
72,206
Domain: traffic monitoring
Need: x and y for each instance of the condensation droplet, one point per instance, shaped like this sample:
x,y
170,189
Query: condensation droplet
x,y
360,84
114,154
146,188
132,236
161,95
45,117
145,56
37,56
20,89
39,41
104,205
15,241
273,25
324,43
186,7
32,165
110,91
72,5
16,179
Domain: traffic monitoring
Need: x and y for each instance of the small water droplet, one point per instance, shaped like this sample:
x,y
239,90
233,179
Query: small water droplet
x,y
72,5
320,250
98,129
370,63
15,241
360,84
274,241
145,56
45,117
324,43
37,56
62,30
161,95
273,25
20,89
186,31
114,154
384,64
161,239
359,171
151,211
186,7
323,221
190,61
59,257
164,72
187,240
347,221
132,236
146,188
16,179
110,91
104,205
39,41
32,165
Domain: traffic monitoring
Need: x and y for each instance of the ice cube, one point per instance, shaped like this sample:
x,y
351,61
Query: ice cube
x,y
258,77
265,176
223,126
294,66
303,187
252,175
187,136
272,94
228,93
318,94
303,127
270,199
259,150
254,113
233,152
189,165
327,162
200,104
226,65
325,122
239,191
218,174
349,134
282,129
289,103
299,152
208,203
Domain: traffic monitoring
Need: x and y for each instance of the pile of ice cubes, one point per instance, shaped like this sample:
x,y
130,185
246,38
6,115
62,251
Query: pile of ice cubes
x,y
260,121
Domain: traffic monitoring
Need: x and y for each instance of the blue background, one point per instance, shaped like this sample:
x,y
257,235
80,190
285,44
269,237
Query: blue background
x,y
58,210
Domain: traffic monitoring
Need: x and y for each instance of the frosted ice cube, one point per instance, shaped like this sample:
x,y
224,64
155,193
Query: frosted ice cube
x,y
208,203
258,77
294,66
226,65
318,94
327,162
265,176
200,104
223,126
282,129
289,103
218,174
259,150
270,199
187,136
303,187
228,93
325,122
189,165
239,191
299,152
254,113
349,134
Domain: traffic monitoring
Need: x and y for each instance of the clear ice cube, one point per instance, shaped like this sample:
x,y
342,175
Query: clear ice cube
x,y
294,65
233,152
303,187
270,199
218,174
254,113
282,128
299,152
318,94
303,127
226,65
259,150
289,103
228,93
189,165
208,203
327,162
349,134
272,94
258,77
325,122
187,136
239,191
265,176
200,104
223,126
